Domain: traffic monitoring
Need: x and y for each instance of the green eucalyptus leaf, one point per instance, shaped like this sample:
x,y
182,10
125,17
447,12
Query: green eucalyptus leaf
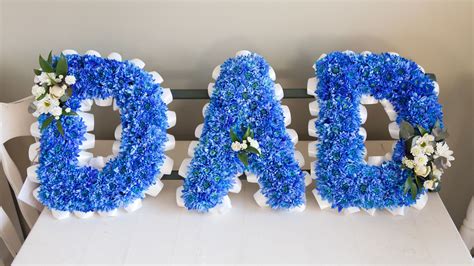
x,y
60,127
243,157
247,133
252,150
406,130
70,113
41,96
50,57
37,72
31,108
406,185
47,122
413,189
408,145
233,136
45,66
61,67
422,130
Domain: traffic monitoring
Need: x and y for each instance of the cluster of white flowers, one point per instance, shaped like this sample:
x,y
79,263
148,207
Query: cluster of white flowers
x,y
424,151
237,146
48,90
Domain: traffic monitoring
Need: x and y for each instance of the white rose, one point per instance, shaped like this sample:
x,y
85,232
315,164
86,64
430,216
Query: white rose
x,y
416,150
43,78
243,146
37,90
56,111
421,160
70,80
429,184
56,91
235,146
422,170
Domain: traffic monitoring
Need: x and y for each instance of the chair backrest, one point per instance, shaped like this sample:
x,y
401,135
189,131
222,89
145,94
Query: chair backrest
x,y
8,234
15,121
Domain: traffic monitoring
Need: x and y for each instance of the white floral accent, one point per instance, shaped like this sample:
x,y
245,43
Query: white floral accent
x,y
56,111
429,184
37,91
422,170
57,91
235,146
408,163
416,150
244,145
70,80
421,160
442,150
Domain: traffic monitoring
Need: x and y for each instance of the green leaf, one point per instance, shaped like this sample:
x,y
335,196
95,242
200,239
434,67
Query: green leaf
x,y
243,157
45,66
406,186
60,127
31,108
252,150
47,122
247,133
37,72
422,130
41,96
414,190
61,67
406,130
70,113
67,94
50,57
233,136
418,182
408,145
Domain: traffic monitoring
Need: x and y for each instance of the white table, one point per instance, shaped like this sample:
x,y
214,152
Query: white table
x,y
160,232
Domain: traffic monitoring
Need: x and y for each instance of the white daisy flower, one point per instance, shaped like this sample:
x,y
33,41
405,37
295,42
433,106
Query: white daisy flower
x,y
421,160
416,150
408,163
56,111
442,150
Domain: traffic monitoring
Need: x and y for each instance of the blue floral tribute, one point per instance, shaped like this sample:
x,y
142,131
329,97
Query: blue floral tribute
x,y
64,184
344,179
244,131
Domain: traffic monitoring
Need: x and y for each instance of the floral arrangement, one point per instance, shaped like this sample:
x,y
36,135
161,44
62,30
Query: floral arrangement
x,y
344,179
243,102
245,146
52,89
65,82
427,155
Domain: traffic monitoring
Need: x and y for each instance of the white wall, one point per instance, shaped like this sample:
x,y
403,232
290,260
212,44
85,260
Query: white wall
x,y
185,40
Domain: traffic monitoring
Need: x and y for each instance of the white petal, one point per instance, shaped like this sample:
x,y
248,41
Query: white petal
x,y
69,52
216,72
135,205
92,52
171,118
184,167
115,56
394,130
138,63
157,78
243,53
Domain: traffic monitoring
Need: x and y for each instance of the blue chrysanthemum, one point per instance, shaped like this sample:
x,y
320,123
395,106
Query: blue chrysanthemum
x,y
64,185
343,178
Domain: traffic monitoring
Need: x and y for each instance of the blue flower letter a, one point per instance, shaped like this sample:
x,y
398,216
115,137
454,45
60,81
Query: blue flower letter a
x,y
243,99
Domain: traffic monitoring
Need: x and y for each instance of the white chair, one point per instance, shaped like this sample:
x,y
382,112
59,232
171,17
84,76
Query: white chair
x,y
15,121
8,234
